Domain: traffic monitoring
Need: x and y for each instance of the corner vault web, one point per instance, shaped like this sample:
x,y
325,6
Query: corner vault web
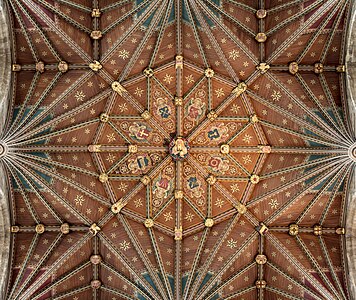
x,y
178,149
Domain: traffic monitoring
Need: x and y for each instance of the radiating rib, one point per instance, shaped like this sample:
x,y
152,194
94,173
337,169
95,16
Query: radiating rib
x,y
140,20
67,180
299,167
197,258
212,281
48,109
316,265
284,6
127,280
60,280
227,281
50,23
321,10
76,5
159,261
130,13
335,191
293,182
163,25
63,201
242,5
212,39
31,209
331,36
331,267
64,16
146,261
157,17
196,34
335,110
204,269
24,105
54,163
303,136
228,32
69,114
27,118
72,292
299,266
39,30
338,171
293,18
333,126
179,27
116,4
116,292
54,133
32,184
25,31
20,293
239,293
24,265
299,284
124,260
317,33
242,26
285,113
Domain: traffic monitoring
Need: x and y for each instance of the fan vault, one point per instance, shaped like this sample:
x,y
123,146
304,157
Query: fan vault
x,y
178,149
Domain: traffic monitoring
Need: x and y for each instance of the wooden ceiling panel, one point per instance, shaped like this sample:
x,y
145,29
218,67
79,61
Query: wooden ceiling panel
x,y
178,149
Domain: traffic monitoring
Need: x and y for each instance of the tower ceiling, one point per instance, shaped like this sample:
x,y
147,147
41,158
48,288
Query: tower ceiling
x,y
178,149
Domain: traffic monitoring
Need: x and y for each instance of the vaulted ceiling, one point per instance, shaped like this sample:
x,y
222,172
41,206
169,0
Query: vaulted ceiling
x,y
180,149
